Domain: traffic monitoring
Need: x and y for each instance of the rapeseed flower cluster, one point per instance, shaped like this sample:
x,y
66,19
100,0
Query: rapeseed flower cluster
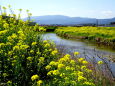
x,y
22,53
68,72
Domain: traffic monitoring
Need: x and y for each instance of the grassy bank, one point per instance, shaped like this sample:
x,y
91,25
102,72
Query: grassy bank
x,y
104,35
27,60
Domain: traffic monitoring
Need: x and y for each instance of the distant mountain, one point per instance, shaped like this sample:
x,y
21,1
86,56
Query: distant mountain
x,y
65,20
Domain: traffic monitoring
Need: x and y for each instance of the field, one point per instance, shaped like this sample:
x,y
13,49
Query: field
x,y
104,35
27,60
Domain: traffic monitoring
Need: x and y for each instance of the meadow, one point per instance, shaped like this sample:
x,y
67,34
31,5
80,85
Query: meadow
x,y
103,35
27,60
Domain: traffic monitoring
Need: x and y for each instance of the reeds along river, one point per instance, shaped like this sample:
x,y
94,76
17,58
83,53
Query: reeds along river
x,y
91,52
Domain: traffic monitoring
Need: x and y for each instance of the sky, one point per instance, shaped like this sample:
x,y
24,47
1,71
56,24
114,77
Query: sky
x,y
99,9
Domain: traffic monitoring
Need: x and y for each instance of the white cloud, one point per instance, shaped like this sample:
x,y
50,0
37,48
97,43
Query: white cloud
x,y
108,14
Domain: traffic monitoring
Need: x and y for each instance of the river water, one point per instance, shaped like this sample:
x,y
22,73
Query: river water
x,y
86,49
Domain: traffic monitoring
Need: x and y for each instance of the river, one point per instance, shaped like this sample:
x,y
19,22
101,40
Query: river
x,y
87,49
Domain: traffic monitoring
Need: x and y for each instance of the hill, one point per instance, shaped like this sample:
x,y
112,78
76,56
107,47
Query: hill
x,y
66,20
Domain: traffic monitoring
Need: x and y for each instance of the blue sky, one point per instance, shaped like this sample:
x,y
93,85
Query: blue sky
x,y
75,8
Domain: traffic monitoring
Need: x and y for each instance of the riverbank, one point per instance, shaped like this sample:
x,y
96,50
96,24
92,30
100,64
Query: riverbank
x,y
100,35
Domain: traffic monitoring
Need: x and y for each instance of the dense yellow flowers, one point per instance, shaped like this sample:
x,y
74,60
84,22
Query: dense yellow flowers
x,y
103,34
68,71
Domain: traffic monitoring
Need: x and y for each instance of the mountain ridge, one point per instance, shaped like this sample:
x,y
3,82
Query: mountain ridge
x,y
66,20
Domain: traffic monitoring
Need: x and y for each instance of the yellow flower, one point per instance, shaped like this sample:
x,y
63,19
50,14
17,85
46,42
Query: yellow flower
x,y
81,78
10,38
68,68
30,58
47,45
55,72
45,41
100,62
23,47
60,66
6,25
48,67
1,51
16,47
89,71
8,43
72,68
50,73
54,52
72,62
80,73
34,43
66,57
53,63
3,32
10,53
76,53
2,45
83,67
34,77
62,74
4,8
84,62
61,60
31,51
9,6
88,83
74,83
9,82
20,32
41,59
80,59
39,82
14,36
